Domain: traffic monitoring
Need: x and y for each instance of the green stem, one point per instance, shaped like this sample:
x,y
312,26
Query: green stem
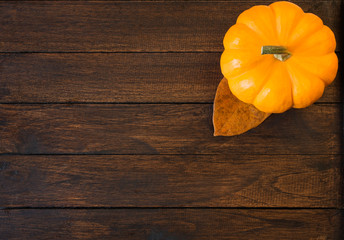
x,y
280,52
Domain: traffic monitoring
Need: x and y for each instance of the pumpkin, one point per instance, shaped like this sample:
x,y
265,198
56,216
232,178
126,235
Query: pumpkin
x,y
277,57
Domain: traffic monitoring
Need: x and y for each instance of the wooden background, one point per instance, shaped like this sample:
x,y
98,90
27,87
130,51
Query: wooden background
x,y
106,132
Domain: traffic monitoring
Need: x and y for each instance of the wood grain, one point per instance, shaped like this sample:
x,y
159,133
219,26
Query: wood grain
x,y
170,181
130,26
171,224
161,129
116,77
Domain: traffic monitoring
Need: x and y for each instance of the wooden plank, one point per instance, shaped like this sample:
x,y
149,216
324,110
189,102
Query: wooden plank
x,y
116,77
161,129
119,77
130,26
171,224
170,181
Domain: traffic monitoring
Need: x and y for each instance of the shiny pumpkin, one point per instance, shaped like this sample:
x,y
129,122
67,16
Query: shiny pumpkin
x,y
277,57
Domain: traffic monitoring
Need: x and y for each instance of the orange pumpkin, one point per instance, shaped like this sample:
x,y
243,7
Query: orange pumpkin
x,y
277,57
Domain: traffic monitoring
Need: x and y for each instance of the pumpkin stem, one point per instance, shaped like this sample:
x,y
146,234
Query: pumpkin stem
x,y
280,52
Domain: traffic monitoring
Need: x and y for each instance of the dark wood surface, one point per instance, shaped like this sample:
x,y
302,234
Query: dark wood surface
x,y
129,26
171,181
170,224
106,129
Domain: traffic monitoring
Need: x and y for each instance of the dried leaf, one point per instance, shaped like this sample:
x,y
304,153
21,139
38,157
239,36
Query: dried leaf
x,y
232,116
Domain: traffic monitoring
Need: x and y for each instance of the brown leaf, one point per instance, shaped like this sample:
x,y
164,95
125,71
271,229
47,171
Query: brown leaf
x,y
232,116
